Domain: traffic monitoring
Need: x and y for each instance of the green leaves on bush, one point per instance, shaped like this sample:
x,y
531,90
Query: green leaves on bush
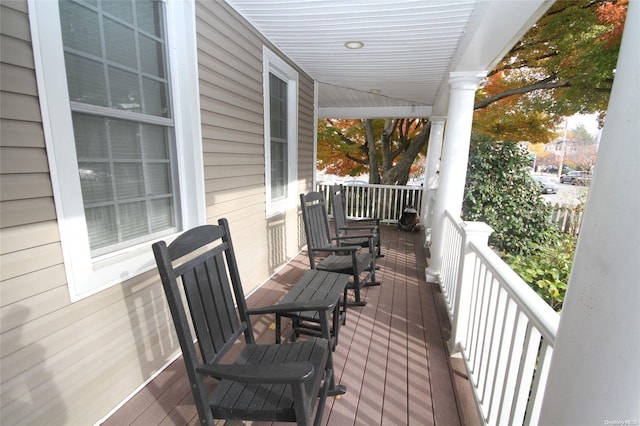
x,y
546,268
500,192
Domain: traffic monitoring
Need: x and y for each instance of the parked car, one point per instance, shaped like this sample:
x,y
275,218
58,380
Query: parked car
x,y
546,185
575,177
554,169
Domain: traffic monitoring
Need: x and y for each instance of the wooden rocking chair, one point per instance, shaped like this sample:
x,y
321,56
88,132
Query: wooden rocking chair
x,y
354,229
336,254
278,382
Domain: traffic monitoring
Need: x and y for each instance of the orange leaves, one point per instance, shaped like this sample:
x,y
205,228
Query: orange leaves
x,y
613,14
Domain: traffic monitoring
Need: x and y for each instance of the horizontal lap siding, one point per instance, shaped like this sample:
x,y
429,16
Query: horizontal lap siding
x,y
231,101
61,363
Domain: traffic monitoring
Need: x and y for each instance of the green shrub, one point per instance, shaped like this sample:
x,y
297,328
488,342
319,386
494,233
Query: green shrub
x,y
500,192
546,268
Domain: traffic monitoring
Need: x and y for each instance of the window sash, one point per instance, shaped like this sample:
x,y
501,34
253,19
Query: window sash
x,y
87,275
119,74
281,128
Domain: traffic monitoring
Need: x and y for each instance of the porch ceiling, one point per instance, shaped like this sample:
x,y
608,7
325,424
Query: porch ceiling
x,y
410,46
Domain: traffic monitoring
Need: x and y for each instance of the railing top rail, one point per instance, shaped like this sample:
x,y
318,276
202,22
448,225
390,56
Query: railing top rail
x,y
543,317
456,221
374,185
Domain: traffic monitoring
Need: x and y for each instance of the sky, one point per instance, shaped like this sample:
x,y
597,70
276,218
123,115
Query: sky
x,y
589,121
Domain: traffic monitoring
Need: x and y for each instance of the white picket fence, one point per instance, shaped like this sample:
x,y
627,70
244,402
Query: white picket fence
x,y
568,218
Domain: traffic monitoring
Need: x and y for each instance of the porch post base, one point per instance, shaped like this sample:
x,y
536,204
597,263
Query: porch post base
x,y
432,275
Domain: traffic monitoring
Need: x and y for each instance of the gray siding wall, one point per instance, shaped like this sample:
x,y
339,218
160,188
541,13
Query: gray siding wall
x,y
71,363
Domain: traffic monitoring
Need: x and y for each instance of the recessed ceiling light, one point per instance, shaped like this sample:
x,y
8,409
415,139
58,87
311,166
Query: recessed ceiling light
x,y
375,91
355,44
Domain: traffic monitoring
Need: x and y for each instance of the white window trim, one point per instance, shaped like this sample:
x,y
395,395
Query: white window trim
x,y
272,63
85,276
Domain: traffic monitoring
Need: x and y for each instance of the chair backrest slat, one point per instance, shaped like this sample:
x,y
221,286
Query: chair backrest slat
x,y
336,193
206,281
316,222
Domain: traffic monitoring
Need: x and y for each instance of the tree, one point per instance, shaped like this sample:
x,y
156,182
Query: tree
x,y
387,149
563,65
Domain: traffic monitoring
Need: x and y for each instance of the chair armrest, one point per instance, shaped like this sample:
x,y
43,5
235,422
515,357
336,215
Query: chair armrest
x,y
285,308
336,249
346,238
364,220
279,373
371,228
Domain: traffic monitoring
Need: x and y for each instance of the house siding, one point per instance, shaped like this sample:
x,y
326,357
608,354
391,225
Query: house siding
x,y
72,363
231,100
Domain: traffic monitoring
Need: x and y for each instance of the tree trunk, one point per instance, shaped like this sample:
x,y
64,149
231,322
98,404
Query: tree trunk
x,y
399,174
374,172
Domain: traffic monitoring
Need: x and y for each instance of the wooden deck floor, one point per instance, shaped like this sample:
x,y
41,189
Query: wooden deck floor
x,y
391,355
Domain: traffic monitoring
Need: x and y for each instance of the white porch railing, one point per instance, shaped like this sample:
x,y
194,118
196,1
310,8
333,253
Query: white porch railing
x,y
385,202
504,331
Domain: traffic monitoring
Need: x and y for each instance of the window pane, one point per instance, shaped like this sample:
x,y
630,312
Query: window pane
x,y
133,220
96,182
129,180
155,98
150,17
125,141
154,142
120,42
125,90
91,137
279,174
151,56
79,28
85,79
278,107
120,8
158,180
161,214
101,222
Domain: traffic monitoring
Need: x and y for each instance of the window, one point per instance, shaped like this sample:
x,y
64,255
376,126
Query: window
x,y
115,61
122,157
281,133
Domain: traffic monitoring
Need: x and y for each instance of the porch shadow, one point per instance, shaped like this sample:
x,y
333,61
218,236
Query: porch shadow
x,y
392,354
28,398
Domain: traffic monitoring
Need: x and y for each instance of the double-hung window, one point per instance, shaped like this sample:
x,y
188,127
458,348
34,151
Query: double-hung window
x,y
119,146
281,133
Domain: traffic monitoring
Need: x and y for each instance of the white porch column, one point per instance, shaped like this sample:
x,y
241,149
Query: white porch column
x,y
430,186
455,154
594,376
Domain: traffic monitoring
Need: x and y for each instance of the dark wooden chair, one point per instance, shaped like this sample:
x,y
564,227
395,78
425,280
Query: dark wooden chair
x,y
353,228
327,253
278,382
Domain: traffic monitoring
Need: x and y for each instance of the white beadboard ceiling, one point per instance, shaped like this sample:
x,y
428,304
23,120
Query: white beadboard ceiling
x,y
410,47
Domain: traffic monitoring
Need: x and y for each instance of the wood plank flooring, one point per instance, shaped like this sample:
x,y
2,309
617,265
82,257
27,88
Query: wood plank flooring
x,y
391,353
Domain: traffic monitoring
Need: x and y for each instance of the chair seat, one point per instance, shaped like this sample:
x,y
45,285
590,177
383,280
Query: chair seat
x,y
235,400
344,263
